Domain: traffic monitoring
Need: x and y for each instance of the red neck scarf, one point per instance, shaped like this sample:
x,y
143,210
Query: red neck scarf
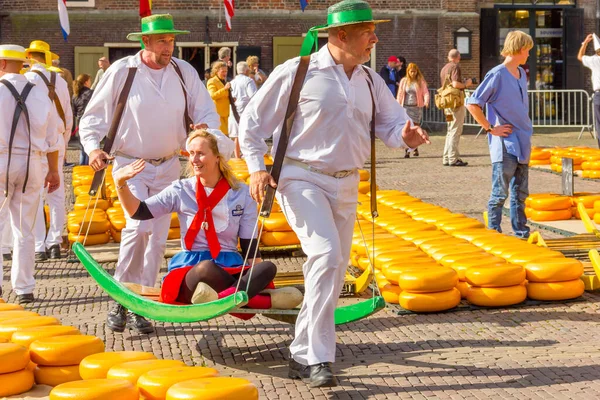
x,y
204,218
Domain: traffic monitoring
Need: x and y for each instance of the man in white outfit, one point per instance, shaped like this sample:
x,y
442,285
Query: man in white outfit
x,y
242,89
49,244
21,152
318,186
152,127
593,63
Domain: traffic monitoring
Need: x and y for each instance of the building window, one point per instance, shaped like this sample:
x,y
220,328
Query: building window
x,y
462,42
81,3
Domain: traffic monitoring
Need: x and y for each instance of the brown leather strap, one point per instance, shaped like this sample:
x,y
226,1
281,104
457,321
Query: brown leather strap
x,y
371,85
110,136
187,121
234,110
51,84
286,130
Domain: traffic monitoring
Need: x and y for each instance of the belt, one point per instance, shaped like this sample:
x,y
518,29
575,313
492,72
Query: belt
x,y
154,161
338,175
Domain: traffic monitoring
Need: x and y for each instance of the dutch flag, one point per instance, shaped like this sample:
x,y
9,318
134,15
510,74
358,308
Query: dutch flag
x,y
64,18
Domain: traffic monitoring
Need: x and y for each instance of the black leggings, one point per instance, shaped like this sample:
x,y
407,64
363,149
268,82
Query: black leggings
x,y
218,279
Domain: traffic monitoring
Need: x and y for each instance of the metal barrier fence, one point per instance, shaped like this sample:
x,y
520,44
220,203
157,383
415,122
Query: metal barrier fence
x,y
547,109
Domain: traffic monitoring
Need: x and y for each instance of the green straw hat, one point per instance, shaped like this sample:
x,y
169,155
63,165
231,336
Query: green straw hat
x,y
346,12
157,24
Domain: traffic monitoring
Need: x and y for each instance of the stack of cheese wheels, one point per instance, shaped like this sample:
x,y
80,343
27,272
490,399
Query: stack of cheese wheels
x,y
428,289
132,370
174,229
597,212
588,200
96,389
496,285
548,207
591,163
15,323
364,186
58,357
96,366
559,154
153,385
116,217
213,388
15,376
239,168
79,221
554,279
276,231
539,156
25,337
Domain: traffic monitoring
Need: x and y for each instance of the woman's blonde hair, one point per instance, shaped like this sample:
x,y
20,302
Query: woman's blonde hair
x,y
216,66
251,60
214,147
418,79
515,42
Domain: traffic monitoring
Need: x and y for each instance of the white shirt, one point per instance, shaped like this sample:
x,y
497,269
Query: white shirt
x,y
331,130
152,125
593,63
45,125
62,91
242,90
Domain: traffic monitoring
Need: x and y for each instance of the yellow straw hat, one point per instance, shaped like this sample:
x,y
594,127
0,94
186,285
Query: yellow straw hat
x,y
39,46
12,52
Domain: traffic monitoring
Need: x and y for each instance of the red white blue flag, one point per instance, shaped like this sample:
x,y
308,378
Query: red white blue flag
x,y
303,4
229,12
64,18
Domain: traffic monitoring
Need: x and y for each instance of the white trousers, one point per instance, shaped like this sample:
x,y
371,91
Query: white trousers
x,y
56,203
143,243
321,210
20,208
7,236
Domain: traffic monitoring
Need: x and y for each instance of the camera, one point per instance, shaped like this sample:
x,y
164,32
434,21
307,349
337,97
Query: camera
x,y
474,81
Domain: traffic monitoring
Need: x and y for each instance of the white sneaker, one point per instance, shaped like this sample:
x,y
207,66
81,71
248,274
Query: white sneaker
x,y
204,294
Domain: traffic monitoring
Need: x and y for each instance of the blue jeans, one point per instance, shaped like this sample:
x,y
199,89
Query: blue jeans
x,y
504,174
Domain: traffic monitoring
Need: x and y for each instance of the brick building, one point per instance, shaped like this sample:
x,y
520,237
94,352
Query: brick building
x,y
420,30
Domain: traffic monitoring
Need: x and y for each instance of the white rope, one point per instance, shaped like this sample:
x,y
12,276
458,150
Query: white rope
x,y
371,260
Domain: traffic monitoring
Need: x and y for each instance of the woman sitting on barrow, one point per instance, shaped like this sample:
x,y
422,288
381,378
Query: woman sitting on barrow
x,y
215,210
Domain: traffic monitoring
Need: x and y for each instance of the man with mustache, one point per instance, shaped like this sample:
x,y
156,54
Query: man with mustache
x,y
154,127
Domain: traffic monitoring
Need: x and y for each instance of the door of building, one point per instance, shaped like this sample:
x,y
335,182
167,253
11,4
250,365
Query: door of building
x,y
86,59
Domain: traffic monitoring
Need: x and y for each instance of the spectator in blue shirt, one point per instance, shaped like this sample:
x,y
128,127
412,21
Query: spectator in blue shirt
x,y
504,94
388,73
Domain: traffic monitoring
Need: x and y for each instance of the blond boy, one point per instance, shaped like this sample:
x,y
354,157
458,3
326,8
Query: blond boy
x,y
504,93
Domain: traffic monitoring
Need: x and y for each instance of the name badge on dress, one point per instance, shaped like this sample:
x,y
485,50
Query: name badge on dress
x,y
237,211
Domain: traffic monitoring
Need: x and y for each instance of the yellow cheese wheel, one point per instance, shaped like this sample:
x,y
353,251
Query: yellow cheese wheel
x,y
525,258
83,202
64,350
390,293
460,225
13,357
463,288
132,370
429,302
276,223
533,163
174,220
118,222
95,389
81,190
428,280
7,328
96,366
90,215
16,382
54,376
91,228
25,337
540,155
587,201
554,270
495,276
14,314
364,187
415,236
553,203
364,175
213,389
10,307
394,271
497,297
82,179
115,234
174,233
414,227
91,240
551,215
555,290
153,385
79,170
114,211
279,238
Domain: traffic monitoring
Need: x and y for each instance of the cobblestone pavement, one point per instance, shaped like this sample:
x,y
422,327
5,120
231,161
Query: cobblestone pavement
x,y
535,352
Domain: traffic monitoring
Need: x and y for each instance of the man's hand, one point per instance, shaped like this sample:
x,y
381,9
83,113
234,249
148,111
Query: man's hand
x,y
124,174
98,159
201,125
52,181
414,136
502,130
588,38
258,183
468,82
227,85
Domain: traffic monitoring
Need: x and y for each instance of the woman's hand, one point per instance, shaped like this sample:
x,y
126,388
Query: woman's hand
x,y
124,174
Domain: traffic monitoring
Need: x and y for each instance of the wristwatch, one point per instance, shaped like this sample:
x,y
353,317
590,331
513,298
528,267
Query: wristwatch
x,y
489,129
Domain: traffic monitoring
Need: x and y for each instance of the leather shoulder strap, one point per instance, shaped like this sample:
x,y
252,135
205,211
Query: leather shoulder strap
x,y
234,110
371,85
51,84
110,136
286,130
187,121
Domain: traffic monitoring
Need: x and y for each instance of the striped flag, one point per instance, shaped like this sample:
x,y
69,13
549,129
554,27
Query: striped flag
x,y
229,12
303,4
63,16
145,8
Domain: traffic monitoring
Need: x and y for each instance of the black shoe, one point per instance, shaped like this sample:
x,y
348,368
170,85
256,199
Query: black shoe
x,y
416,153
25,298
54,252
459,163
297,370
117,318
7,257
40,256
139,323
406,154
321,376
69,164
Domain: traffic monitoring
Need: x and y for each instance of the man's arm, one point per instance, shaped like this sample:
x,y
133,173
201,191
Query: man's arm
x,y
486,93
97,79
583,47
